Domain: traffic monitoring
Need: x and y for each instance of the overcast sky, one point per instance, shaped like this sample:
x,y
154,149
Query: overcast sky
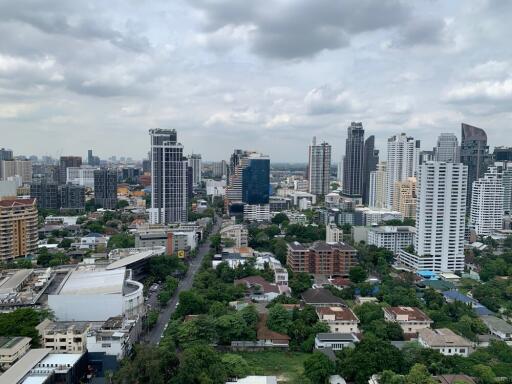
x,y
255,74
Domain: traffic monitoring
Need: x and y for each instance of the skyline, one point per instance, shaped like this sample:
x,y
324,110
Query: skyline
x,y
75,77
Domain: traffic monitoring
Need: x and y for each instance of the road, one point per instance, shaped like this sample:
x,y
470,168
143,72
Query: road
x,y
154,336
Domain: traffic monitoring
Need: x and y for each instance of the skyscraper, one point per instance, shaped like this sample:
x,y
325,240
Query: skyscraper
x,y
378,186
105,188
487,203
194,161
440,218
370,161
5,154
474,153
64,163
16,167
256,179
353,161
169,200
403,157
46,193
18,226
72,197
405,198
447,148
319,168
502,153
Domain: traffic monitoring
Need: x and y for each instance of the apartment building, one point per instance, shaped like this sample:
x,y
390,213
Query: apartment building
x,y
18,228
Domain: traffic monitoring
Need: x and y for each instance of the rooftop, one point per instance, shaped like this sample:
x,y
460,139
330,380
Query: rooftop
x,y
93,281
497,324
16,203
23,366
442,337
321,296
339,313
10,342
337,337
412,313
258,281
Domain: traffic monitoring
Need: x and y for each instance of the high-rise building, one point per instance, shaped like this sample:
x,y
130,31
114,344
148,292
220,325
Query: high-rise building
x,y
403,157
194,161
503,154
370,161
353,161
474,153
447,148
319,168
5,154
16,167
440,218
72,197
18,226
378,187
405,198
64,163
425,156
93,161
169,200
219,169
506,180
256,179
46,194
487,203
105,188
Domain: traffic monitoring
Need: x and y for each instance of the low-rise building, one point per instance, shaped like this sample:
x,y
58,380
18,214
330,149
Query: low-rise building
x,y
335,341
391,237
12,349
498,327
92,241
322,258
321,297
237,233
410,319
64,337
339,319
260,289
333,234
256,212
445,341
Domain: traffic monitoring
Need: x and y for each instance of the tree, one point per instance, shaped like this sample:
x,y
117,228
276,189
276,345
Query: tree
x,y
22,322
280,249
65,243
299,282
190,303
318,368
419,375
122,204
280,218
357,274
278,319
484,374
121,240
368,312
235,365
202,365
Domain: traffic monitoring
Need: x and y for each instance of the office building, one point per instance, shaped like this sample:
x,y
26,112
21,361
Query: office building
x,y
440,219
506,180
256,179
219,169
403,152
319,168
72,197
46,194
353,161
370,162
18,226
486,214
322,258
194,161
405,198
447,148
392,238
474,153
105,188
64,163
378,186
169,198
92,161
16,167
503,154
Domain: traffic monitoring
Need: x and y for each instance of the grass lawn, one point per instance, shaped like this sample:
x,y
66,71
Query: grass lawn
x,y
287,366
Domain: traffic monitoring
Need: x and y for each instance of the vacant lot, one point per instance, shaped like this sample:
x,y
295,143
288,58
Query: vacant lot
x,y
287,366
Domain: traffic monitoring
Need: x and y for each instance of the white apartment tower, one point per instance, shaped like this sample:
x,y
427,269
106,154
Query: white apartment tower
x,y
487,203
447,148
319,167
403,160
194,161
378,186
168,178
440,218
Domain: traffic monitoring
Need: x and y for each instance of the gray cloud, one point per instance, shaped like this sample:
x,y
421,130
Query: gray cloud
x,y
297,29
421,32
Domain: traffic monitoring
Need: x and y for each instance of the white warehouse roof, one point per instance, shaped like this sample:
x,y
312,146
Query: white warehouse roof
x,y
93,281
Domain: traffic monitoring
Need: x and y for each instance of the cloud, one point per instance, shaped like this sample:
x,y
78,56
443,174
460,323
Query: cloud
x,y
421,32
481,92
491,69
327,100
297,29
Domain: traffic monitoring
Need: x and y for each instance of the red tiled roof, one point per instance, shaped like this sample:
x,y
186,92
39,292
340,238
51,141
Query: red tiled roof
x,y
260,281
340,313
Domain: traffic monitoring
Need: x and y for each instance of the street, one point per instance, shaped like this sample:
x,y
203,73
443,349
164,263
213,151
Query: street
x,y
153,337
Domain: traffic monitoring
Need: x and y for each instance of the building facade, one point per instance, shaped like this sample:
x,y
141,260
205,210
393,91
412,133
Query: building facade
x,y
440,218
194,161
64,163
105,188
392,238
370,162
16,167
378,186
353,161
46,194
72,197
18,228
319,168
403,160
405,198
447,148
486,214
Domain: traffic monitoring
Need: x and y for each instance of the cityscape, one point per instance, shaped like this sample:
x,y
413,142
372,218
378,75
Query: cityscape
x,y
262,246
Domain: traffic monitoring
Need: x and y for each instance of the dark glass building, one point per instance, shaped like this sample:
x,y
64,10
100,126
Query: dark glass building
x,y
72,197
46,193
370,161
353,161
256,181
105,188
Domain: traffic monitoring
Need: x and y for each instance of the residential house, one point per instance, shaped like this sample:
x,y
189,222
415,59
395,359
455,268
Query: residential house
x,y
339,319
498,327
321,297
335,341
260,289
445,341
410,319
